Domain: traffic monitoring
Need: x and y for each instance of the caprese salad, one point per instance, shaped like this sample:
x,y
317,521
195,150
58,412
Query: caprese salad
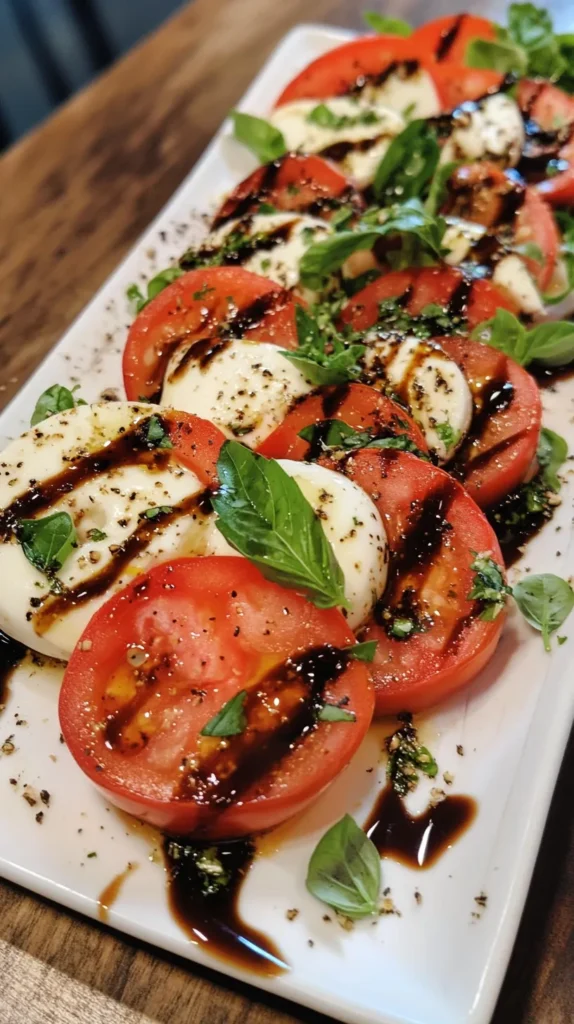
x,y
293,521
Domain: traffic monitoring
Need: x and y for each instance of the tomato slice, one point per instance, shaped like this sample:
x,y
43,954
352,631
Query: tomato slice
x,y
501,446
159,661
447,38
458,84
475,301
340,70
196,443
357,405
434,530
199,304
306,184
535,223
552,110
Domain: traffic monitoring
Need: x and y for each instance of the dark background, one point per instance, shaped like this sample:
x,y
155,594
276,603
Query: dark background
x,y
51,48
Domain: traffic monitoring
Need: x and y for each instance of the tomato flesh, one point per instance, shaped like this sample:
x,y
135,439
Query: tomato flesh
x,y
434,530
306,184
159,661
196,443
447,38
199,304
357,405
553,110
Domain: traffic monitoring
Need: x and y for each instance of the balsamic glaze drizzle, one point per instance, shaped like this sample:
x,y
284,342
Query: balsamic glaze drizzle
x,y
11,653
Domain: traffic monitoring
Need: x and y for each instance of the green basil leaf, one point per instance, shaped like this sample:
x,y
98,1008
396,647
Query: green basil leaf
x,y
500,55
545,601
261,137
488,587
438,187
333,713
153,288
566,48
387,26
363,652
156,512
345,870
408,164
551,344
53,400
339,435
319,366
264,515
552,452
406,758
230,720
96,535
47,542
157,435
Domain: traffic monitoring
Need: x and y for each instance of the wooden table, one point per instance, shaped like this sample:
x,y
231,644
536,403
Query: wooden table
x,y
75,195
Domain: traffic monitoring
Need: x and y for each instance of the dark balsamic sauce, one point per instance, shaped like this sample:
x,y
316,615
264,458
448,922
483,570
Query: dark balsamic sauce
x,y
417,840
211,918
243,252
262,183
548,378
493,399
202,352
333,398
514,525
11,653
110,893
448,38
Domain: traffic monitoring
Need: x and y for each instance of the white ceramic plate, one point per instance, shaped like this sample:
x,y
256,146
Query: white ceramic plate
x,y
442,961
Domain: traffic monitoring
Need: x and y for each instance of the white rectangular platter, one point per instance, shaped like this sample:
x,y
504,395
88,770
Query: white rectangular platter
x,y
443,959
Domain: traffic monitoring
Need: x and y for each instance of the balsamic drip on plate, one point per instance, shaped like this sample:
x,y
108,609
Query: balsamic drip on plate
x,y
11,653
417,840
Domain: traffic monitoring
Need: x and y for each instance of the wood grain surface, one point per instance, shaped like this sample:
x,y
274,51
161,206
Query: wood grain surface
x,y
75,195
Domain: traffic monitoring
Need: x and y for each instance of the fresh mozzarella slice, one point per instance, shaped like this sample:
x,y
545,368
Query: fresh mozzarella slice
x,y
354,134
512,276
111,500
279,241
428,382
559,290
487,129
410,90
244,387
459,238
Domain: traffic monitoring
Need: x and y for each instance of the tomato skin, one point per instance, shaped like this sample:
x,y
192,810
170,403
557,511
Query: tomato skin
x,y
458,84
306,184
196,443
336,72
535,223
183,614
415,673
427,285
197,305
507,439
447,38
358,405
546,104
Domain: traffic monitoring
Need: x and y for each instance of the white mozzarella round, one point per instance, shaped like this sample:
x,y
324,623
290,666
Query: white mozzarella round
x,y
409,91
429,383
353,526
282,239
459,238
489,129
513,277
245,389
112,502
363,132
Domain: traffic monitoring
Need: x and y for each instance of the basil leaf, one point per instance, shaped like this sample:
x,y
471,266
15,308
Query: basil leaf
x,y
318,365
323,116
47,542
438,186
261,137
531,28
333,713
323,258
488,587
157,435
345,870
363,652
153,288
501,55
408,164
552,452
264,515
230,720
96,535
53,400
545,601
387,26
156,512
551,344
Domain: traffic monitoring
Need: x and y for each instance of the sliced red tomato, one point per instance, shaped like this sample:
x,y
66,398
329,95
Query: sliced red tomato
x,y
307,184
501,446
198,305
535,223
196,443
434,530
553,110
159,661
458,84
447,38
475,301
341,69
357,405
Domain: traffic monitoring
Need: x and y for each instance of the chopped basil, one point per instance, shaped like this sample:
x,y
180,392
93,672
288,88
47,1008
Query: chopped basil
x,y
488,587
47,542
267,208
211,874
447,434
423,231
264,515
157,436
408,164
438,186
550,344
261,137
324,117
498,54
545,601
96,535
407,758
342,217
153,288
345,870
566,224
386,26
230,720
154,513
53,400
401,628
552,452
432,321
363,652
333,713
322,359
335,434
